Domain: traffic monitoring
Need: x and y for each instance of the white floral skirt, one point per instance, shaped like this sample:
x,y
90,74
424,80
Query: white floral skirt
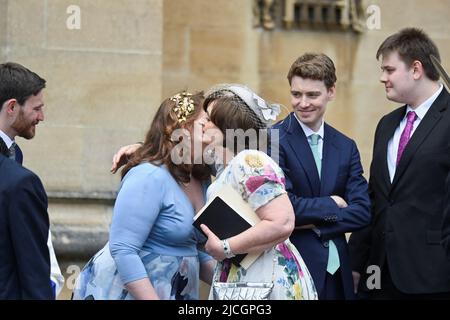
x,y
282,264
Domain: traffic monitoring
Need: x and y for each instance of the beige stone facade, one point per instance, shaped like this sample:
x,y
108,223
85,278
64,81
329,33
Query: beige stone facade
x,y
107,78
103,85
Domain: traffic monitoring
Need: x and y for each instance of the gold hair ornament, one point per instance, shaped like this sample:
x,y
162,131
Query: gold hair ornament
x,y
184,105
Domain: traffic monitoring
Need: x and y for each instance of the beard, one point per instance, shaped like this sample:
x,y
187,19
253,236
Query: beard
x,y
24,128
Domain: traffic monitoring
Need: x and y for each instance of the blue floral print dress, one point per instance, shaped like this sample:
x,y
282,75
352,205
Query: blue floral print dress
x,y
258,179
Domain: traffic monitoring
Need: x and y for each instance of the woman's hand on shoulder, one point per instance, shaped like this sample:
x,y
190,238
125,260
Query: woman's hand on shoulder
x,y
122,155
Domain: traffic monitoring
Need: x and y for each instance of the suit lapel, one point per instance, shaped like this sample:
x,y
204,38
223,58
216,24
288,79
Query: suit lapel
x,y
300,147
3,148
432,117
330,162
386,134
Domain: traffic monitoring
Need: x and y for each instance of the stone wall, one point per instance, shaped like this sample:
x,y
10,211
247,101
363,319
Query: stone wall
x,y
103,87
3,28
207,42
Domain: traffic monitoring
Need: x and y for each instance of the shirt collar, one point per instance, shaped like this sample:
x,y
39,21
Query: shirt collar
x,y
308,131
426,105
6,139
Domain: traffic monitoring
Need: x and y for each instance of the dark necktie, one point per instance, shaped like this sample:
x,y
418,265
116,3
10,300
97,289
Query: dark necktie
x,y
12,151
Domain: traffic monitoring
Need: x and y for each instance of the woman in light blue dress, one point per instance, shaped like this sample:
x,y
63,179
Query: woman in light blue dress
x,y
152,251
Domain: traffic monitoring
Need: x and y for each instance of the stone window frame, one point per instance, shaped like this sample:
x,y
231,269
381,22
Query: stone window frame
x,y
325,15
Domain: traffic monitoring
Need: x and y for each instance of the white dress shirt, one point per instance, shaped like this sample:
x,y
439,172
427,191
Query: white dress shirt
x,y
309,132
6,139
393,143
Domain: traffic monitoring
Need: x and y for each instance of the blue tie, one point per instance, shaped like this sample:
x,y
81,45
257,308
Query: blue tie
x,y
333,255
314,144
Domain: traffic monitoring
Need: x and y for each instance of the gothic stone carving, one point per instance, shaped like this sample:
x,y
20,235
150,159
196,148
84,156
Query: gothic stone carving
x,y
317,14
263,14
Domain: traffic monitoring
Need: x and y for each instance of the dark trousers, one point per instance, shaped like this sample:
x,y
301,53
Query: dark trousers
x,y
333,289
388,290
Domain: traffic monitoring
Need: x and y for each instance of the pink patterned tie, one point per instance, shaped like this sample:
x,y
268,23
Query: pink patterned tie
x,y
406,134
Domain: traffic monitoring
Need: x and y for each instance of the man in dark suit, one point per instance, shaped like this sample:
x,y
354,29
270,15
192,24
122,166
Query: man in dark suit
x,y
323,178
24,256
410,165
21,109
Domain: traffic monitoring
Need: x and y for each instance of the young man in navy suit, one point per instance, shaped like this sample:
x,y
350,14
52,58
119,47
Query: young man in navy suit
x,y
24,225
324,178
409,179
21,109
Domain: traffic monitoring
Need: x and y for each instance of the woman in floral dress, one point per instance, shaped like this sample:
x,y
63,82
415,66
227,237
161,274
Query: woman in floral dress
x,y
260,182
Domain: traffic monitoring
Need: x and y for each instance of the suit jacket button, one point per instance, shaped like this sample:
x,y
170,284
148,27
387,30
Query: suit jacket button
x,y
325,244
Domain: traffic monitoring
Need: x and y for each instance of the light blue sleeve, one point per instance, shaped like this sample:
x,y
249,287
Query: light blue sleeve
x,y
136,209
203,256
201,240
